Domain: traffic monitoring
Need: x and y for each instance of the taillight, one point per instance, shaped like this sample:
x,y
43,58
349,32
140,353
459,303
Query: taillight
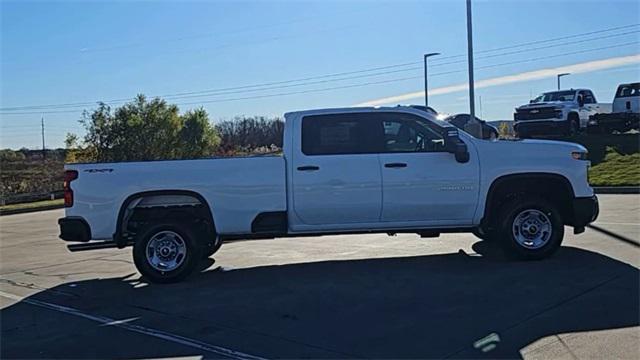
x,y
69,176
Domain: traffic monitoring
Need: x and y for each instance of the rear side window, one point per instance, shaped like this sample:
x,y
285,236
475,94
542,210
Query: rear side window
x,y
335,134
628,90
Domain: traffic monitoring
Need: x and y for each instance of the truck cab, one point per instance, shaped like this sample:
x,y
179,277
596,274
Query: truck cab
x,y
627,99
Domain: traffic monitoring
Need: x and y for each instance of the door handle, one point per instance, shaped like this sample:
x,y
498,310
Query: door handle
x,y
395,165
308,168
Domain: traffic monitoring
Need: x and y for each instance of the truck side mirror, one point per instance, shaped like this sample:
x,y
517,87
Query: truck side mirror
x,y
454,145
462,153
580,100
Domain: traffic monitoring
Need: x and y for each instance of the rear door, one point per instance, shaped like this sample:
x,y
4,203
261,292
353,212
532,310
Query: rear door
x,y
336,173
421,182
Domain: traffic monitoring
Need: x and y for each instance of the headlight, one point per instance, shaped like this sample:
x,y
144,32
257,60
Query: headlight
x,y
580,155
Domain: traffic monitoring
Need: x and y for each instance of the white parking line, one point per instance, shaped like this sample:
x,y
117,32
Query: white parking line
x,y
218,350
616,223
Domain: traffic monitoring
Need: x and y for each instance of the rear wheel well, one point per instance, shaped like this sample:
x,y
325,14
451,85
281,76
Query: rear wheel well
x,y
141,210
556,189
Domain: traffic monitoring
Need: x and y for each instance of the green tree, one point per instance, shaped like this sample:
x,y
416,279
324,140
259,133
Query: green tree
x,y
197,136
146,130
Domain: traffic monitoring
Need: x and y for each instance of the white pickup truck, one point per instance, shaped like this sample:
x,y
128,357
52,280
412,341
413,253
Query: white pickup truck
x,y
625,114
353,170
563,112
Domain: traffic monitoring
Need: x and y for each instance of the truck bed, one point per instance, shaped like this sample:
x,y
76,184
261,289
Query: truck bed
x,y
236,189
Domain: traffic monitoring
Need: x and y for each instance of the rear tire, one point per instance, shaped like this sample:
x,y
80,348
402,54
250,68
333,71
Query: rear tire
x,y
531,228
166,252
483,234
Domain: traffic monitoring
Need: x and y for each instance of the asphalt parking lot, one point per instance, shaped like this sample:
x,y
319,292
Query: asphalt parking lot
x,y
327,297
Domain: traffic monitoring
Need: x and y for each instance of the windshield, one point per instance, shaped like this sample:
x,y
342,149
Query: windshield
x,y
555,96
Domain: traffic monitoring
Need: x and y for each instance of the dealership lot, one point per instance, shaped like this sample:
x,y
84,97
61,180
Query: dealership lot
x,y
334,296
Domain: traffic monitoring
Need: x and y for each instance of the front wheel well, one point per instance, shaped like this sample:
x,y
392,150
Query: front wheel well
x,y
143,209
556,189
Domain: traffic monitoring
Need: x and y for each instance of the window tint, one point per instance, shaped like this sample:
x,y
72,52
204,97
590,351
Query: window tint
x,y
340,134
588,97
409,133
566,95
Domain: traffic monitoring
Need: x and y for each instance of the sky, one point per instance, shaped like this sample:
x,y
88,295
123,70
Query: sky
x,y
73,52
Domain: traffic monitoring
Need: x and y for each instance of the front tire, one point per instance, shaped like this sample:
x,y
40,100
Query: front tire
x,y
531,228
573,126
166,253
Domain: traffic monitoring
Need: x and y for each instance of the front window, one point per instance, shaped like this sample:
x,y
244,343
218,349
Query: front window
x,y
408,133
555,96
588,97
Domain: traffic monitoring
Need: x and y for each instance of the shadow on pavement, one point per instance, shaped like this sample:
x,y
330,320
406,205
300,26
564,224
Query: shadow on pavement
x,y
614,235
411,307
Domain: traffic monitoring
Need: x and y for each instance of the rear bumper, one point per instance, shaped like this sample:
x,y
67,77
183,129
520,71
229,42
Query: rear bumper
x,y
74,229
615,121
545,127
585,211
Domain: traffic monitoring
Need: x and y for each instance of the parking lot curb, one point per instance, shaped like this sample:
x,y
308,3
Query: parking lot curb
x,y
29,210
616,189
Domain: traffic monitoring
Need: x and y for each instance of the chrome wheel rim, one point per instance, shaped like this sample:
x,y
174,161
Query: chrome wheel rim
x,y
166,251
532,229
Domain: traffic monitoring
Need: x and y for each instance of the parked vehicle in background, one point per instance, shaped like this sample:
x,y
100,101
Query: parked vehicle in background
x,y
564,112
489,132
351,170
461,121
428,109
625,113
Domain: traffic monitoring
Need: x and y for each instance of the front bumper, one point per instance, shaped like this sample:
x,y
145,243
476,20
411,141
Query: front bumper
x,y
545,127
585,211
74,229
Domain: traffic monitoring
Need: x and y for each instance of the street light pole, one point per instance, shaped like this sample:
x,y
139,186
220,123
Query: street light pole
x,y
426,88
472,96
559,76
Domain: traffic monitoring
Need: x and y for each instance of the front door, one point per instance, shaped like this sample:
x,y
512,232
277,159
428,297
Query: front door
x,y
589,108
422,182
